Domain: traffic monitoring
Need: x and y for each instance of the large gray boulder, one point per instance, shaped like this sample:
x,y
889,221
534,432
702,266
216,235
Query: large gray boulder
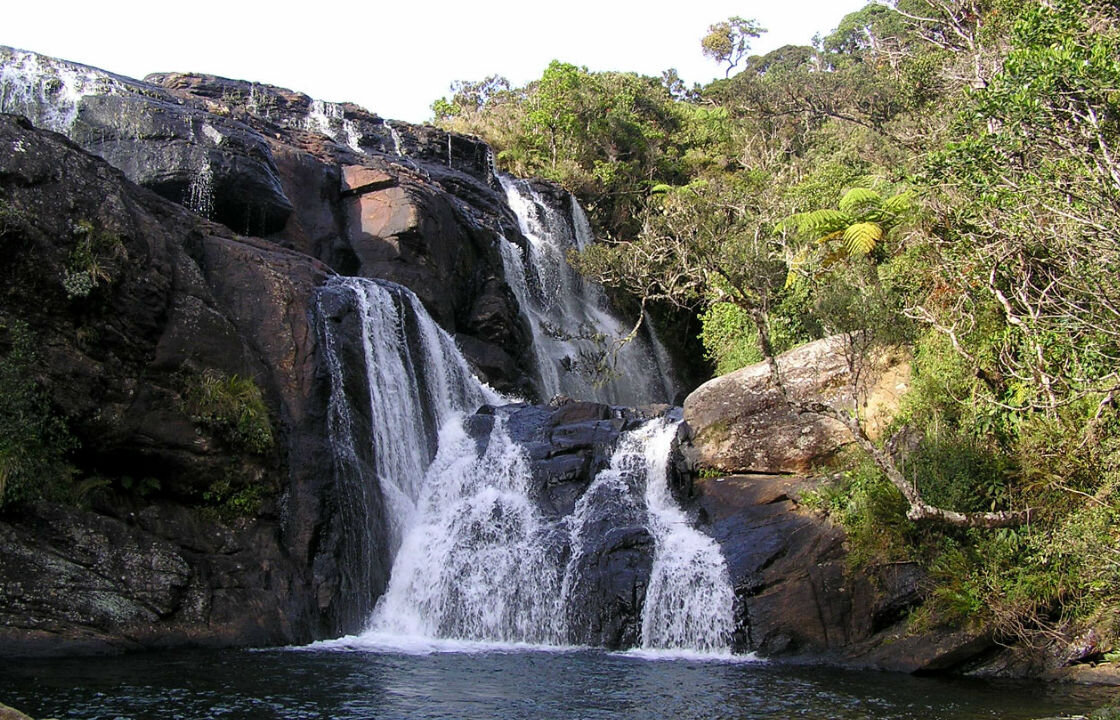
x,y
741,423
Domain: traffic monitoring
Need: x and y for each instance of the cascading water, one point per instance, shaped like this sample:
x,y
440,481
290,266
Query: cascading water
x,y
416,379
473,556
329,119
474,566
576,339
48,91
689,600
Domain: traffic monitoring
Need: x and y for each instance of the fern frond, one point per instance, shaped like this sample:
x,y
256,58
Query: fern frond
x,y
857,198
861,238
820,222
899,204
797,262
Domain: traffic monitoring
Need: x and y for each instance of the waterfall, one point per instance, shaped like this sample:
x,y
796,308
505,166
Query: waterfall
x,y
474,566
200,193
449,501
396,136
329,119
689,600
576,336
395,379
49,91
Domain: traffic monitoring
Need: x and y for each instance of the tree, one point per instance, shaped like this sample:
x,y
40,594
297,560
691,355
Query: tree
x,y
729,40
855,228
701,243
470,97
1030,201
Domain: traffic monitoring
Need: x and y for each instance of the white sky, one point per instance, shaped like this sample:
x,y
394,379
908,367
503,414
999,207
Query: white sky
x,y
395,58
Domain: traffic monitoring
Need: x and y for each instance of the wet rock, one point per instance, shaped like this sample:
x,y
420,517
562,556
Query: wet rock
x,y
410,204
612,578
794,592
212,163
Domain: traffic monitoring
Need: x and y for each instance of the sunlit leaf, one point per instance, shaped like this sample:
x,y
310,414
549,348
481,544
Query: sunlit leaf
x,y
861,238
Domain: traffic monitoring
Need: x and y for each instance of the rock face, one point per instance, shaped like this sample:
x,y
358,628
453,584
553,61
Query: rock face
x,y
795,594
410,204
798,598
177,233
741,423
174,296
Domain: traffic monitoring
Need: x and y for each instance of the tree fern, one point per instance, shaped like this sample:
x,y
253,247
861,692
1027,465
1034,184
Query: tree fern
x,y
861,238
900,204
854,228
859,200
821,222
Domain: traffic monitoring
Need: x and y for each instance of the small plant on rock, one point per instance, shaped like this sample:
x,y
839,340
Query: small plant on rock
x,y
232,407
92,259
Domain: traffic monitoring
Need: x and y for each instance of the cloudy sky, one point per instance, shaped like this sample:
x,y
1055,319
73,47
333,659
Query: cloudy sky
x,y
396,58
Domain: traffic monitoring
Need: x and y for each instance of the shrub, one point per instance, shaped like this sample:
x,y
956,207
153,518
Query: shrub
x,y
232,407
34,440
91,260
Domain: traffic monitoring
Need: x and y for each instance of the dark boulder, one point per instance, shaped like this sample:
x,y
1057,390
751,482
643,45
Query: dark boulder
x,y
798,597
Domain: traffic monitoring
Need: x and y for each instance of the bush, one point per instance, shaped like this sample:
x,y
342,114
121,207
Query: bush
x,y
729,337
34,440
232,407
871,511
92,259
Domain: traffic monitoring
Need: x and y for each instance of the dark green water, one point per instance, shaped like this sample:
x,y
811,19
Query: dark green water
x,y
496,684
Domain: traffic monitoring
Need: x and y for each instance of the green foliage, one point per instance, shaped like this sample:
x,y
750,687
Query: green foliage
x,y
729,40
92,259
468,98
1109,712
856,228
232,407
872,512
944,180
729,337
34,439
11,218
229,501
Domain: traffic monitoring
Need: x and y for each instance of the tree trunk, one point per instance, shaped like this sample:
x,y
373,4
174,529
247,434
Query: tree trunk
x,y
919,508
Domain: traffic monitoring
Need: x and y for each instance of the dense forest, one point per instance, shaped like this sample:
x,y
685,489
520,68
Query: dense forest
x,y
939,178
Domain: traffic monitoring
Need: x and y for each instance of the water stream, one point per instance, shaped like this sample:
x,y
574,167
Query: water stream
x,y
576,336
454,515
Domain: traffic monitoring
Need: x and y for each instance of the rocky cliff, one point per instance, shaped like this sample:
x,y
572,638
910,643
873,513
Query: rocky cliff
x,y
799,594
415,205
163,242
169,246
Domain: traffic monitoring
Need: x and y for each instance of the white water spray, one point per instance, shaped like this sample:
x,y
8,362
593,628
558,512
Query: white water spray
x,y
689,601
417,380
329,119
577,339
49,92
